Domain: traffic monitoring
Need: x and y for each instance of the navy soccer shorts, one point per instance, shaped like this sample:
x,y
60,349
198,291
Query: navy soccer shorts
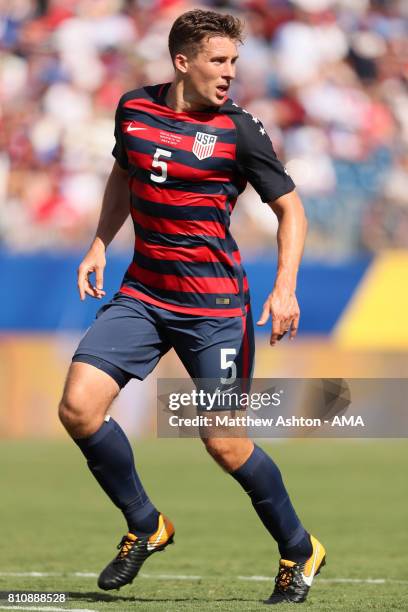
x,y
129,336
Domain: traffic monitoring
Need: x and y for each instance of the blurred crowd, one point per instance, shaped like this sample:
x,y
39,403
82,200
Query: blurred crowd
x,y
328,78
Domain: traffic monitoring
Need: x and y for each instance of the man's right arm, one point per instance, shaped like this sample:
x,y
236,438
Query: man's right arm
x,y
115,210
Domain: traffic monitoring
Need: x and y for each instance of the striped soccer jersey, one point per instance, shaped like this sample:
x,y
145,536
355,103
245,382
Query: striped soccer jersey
x,y
186,171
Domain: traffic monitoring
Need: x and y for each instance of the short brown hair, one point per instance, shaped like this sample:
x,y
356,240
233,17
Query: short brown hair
x,y
191,28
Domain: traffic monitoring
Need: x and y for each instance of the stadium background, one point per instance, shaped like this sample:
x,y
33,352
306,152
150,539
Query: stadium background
x,y
328,78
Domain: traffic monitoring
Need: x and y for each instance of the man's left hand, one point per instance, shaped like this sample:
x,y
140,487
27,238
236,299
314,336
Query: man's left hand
x,y
283,306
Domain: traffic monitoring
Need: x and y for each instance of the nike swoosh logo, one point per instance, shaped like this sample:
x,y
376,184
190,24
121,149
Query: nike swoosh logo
x,y
152,546
222,391
130,128
309,579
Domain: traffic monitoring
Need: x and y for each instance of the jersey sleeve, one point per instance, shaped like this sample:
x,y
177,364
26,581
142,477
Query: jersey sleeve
x,y
119,150
257,159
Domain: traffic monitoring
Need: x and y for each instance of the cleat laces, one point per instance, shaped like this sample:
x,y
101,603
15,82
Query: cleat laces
x,y
124,546
284,578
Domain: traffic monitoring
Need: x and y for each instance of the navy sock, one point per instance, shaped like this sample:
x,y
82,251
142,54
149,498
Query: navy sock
x,y
261,479
110,459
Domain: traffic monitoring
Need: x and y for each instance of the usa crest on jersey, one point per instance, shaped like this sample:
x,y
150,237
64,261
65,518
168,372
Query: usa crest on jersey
x,y
204,144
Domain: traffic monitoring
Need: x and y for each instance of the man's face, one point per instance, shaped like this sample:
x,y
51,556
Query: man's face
x,y
208,74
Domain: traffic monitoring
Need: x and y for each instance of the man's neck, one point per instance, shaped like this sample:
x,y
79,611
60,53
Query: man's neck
x,y
178,99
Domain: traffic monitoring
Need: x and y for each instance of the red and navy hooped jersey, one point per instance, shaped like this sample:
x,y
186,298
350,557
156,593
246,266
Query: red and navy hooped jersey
x,y
186,171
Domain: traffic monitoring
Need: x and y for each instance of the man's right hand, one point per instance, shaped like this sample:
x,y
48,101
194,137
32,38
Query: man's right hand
x,y
93,262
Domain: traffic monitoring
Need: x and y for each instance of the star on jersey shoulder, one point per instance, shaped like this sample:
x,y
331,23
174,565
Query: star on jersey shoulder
x,y
254,119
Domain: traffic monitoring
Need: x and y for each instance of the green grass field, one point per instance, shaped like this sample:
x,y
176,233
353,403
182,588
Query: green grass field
x,y
351,494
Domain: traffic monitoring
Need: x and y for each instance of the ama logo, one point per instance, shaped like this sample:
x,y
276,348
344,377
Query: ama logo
x,y
204,144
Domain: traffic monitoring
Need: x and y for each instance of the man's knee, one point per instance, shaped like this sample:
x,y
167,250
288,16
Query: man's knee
x,y
72,410
87,395
229,453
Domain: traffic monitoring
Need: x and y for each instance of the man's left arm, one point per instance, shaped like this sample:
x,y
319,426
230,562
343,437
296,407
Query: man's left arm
x,y
281,304
258,163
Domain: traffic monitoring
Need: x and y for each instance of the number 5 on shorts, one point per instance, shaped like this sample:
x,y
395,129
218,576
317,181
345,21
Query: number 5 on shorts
x,y
226,363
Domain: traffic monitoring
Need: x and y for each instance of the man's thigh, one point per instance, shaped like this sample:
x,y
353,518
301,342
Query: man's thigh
x,y
218,354
126,340
214,348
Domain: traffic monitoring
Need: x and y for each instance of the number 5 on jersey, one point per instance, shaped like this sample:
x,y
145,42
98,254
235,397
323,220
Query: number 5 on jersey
x,y
161,164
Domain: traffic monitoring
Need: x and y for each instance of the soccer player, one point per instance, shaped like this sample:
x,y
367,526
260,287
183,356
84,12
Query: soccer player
x,y
184,152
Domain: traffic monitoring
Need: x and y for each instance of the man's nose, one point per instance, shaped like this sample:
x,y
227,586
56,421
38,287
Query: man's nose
x,y
229,71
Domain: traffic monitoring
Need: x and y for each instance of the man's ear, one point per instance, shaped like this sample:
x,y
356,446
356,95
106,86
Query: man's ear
x,y
181,63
